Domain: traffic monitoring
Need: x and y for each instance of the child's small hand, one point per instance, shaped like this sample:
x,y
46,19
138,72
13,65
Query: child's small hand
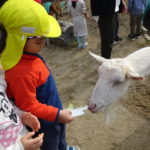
x,y
88,17
31,121
30,143
65,116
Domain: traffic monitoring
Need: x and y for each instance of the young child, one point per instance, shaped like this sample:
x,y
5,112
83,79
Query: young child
x,y
77,9
13,135
30,82
53,8
136,9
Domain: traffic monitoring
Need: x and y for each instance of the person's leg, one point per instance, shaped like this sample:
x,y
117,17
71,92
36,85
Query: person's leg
x,y
52,133
79,41
116,25
131,36
84,43
117,38
106,26
62,137
62,140
139,24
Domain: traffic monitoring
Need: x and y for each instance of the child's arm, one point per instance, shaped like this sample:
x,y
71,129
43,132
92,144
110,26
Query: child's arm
x,y
27,118
86,16
30,120
65,116
84,10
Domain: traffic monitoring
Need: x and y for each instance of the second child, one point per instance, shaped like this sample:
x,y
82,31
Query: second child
x,y
77,9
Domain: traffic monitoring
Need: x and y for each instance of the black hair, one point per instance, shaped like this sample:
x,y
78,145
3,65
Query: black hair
x,y
2,2
3,36
74,4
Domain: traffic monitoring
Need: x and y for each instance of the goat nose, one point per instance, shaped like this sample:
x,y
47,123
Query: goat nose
x,y
91,106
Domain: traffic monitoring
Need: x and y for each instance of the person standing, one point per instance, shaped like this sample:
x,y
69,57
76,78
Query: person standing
x,y
105,10
77,9
136,9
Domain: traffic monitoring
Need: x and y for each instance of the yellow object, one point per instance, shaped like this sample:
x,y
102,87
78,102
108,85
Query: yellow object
x,y
23,18
70,106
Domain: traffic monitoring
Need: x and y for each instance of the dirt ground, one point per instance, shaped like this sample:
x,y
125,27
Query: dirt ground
x,y
75,74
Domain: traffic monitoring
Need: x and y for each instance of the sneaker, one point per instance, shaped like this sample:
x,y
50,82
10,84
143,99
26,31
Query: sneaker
x,y
117,40
79,47
131,37
73,148
137,35
85,45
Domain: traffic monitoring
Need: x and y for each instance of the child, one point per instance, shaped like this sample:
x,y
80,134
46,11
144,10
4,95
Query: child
x,y
12,134
77,9
53,8
11,127
136,10
30,82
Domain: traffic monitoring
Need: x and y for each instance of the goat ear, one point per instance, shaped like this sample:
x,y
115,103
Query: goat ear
x,y
98,58
134,76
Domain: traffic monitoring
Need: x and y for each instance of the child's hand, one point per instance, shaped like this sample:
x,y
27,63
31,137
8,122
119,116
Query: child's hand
x,y
30,143
65,116
31,121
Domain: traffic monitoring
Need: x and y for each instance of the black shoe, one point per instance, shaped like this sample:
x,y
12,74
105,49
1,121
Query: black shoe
x,y
131,37
137,35
117,40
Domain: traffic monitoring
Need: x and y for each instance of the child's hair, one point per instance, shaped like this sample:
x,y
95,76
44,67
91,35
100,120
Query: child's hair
x,y
2,2
74,4
3,36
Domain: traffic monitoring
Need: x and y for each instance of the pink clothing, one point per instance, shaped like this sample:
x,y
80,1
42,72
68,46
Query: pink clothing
x,y
10,134
11,127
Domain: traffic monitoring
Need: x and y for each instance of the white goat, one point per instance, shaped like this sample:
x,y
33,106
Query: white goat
x,y
114,76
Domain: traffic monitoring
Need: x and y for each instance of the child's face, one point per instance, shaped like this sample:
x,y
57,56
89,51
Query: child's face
x,y
34,44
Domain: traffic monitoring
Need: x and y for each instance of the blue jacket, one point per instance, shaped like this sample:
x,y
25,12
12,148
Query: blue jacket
x,y
136,7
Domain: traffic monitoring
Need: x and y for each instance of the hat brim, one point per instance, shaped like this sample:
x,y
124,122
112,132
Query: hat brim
x,y
55,30
15,45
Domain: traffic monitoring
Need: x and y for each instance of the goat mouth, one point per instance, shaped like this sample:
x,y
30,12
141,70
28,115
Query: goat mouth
x,y
95,109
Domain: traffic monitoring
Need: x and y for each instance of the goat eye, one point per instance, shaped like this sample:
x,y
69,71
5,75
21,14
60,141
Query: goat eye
x,y
117,82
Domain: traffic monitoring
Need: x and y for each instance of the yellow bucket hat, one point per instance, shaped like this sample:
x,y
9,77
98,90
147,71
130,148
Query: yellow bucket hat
x,y
23,18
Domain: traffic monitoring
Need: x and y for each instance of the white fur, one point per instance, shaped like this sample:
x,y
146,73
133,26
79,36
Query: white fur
x,y
114,76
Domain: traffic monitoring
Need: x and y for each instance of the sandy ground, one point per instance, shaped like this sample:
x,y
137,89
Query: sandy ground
x,y
75,74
